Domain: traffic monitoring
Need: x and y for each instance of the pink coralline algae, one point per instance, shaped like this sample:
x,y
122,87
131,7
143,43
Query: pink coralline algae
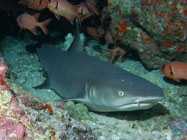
x,y
12,117
3,69
16,124
11,130
26,101
15,107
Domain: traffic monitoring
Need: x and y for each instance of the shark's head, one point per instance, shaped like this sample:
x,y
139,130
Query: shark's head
x,y
120,94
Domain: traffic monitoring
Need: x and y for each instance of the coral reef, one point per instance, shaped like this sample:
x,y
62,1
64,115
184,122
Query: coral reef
x,y
22,117
14,122
155,29
150,31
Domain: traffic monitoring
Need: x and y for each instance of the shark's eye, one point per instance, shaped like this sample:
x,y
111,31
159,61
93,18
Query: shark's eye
x,y
121,93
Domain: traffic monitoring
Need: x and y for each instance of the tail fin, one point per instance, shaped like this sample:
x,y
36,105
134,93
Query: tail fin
x,y
43,25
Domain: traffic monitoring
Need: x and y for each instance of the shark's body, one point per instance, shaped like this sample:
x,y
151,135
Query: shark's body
x,y
100,85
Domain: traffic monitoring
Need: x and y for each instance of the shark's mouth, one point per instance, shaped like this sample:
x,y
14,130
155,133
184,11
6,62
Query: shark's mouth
x,y
148,100
140,104
137,106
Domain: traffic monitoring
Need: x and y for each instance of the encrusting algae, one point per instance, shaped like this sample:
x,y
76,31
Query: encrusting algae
x,y
5,96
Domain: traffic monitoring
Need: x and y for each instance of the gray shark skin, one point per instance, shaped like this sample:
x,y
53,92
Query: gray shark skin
x,y
101,86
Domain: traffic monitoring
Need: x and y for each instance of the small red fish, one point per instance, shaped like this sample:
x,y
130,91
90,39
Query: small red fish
x,y
83,11
64,8
87,9
26,21
3,70
35,4
48,107
70,12
92,5
175,70
4,83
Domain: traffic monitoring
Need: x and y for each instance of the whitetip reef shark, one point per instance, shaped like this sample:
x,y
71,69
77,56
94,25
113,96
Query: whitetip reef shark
x,y
100,85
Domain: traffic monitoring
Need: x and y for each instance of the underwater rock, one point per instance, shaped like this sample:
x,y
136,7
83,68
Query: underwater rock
x,y
182,91
155,29
10,113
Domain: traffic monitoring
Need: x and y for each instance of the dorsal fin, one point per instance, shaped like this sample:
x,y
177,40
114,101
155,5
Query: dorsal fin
x,y
76,45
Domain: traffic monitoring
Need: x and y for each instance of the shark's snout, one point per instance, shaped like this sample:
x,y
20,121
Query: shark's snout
x,y
144,102
141,103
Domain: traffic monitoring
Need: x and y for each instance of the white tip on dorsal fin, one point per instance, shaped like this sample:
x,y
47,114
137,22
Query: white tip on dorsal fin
x,y
76,45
